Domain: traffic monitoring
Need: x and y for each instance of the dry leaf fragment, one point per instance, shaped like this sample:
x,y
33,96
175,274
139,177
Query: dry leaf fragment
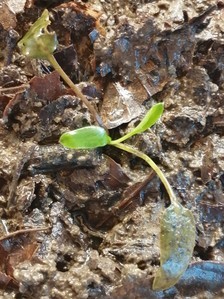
x,y
7,17
119,106
49,87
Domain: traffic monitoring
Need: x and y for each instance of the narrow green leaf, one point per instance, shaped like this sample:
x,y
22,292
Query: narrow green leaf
x,y
38,42
150,118
177,240
148,121
85,138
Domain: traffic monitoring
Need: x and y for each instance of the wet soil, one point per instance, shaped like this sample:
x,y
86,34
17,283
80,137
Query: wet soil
x,y
97,212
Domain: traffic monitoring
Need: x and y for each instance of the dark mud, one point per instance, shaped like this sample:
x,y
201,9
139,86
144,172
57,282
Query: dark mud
x,y
100,210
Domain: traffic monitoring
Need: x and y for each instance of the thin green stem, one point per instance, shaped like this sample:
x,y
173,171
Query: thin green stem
x,y
123,138
160,174
77,91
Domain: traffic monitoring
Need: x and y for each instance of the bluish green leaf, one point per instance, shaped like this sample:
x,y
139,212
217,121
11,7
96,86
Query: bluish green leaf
x,y
177,240
38,42
85,138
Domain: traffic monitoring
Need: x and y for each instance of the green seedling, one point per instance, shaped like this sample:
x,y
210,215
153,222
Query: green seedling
x,y
177,235
38,42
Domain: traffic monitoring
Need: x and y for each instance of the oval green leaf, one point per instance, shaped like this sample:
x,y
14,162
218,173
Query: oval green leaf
x,y
85,138
38,42
177,240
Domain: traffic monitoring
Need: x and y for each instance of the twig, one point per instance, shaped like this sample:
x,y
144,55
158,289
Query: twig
x,y
14,88
24,231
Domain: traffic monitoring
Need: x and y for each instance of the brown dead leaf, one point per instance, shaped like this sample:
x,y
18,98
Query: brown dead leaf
x,y
11,104
23,253
8,282
14,249
48,88
115,176
7,17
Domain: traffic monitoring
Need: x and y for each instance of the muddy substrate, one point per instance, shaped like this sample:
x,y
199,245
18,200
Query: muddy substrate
x,y
99,211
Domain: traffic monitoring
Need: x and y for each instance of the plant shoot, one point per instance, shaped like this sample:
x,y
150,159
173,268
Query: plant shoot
x,y
177,236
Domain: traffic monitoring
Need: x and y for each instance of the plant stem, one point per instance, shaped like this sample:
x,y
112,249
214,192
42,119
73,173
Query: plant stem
x,y
123,138
77,91
160,174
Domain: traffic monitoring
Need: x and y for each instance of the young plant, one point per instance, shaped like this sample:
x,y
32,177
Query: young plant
x,y
38,42
177,235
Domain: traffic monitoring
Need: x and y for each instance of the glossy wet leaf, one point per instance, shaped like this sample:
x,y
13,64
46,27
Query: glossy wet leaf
x,y
85,138
38,42
177,240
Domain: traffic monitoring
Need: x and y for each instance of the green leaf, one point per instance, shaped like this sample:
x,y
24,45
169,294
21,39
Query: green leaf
x,y
148,121
177,240
85,138
150,118
38,42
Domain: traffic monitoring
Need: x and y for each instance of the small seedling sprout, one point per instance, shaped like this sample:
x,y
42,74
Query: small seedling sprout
x,y
38,42
177,236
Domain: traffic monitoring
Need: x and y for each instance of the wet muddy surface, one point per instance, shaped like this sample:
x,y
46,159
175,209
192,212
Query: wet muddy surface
x,y
85,224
